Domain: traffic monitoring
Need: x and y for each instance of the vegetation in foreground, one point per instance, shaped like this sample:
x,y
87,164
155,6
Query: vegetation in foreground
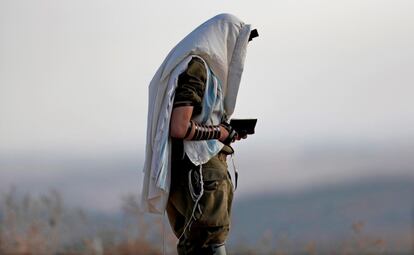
x,y
43,225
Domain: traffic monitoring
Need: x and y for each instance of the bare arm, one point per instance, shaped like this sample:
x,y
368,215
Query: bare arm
x,y
180,118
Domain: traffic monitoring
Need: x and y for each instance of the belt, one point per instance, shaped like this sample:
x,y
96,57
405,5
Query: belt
x,y
222,156
227,150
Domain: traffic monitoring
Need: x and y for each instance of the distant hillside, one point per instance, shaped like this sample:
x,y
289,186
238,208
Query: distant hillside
x,y
381,210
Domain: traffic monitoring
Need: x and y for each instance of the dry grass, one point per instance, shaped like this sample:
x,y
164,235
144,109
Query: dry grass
x,y
30,226
42,225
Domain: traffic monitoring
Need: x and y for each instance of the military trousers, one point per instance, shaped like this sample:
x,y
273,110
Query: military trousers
x,y
211,221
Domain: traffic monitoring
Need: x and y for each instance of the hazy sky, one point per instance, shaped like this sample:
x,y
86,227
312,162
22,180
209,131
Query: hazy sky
x,y
74,74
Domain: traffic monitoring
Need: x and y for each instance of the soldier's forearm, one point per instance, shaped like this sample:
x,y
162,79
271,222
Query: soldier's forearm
x,y
197,131
182,127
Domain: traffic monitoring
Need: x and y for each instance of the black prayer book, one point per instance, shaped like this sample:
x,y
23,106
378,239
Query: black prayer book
x,y
243,126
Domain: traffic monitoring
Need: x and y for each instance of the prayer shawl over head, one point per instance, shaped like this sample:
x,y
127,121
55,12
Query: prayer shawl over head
x,y
221,42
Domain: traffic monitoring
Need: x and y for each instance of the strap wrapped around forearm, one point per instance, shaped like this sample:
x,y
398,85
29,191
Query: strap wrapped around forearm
x,y
232,133
204,132
190,127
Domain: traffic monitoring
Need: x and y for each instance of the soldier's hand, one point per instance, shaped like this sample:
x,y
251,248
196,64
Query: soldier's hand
x,y
224,134
241,136
228,134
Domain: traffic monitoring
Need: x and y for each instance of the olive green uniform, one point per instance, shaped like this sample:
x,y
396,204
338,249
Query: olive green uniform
x,y
212,224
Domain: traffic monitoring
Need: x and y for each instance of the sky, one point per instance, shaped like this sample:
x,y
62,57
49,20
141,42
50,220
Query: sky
x,y
322,76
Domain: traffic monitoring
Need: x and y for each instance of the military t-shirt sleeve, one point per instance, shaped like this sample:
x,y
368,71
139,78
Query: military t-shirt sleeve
x,y
191,86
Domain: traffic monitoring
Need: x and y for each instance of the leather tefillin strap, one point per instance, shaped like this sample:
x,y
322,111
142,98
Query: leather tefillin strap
x,y
190,127
203,132
232,133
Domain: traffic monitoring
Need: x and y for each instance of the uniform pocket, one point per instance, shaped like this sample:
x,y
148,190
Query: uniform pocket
x,y
215,204
211,185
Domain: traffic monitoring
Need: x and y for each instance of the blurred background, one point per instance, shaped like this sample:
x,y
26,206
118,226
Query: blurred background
x,y
330,169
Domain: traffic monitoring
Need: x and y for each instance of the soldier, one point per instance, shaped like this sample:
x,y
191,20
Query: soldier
x,y
192,96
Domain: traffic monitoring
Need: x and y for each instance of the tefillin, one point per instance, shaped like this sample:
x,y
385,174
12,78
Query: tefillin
x,y
253,34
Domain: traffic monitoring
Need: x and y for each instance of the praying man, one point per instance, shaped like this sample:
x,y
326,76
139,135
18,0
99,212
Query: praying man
x,y
191,98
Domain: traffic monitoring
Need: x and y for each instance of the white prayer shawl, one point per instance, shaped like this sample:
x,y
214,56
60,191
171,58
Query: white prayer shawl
x,y
221,42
